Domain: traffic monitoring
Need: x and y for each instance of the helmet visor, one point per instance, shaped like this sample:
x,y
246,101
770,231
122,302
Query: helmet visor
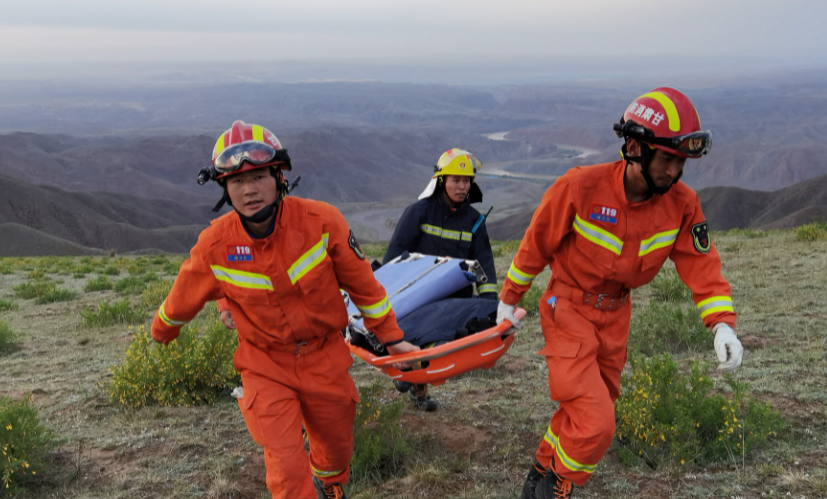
x,y
694,144
251,151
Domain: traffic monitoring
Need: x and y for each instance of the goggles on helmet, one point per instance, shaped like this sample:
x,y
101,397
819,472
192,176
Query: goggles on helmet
x,y
251,151
693,145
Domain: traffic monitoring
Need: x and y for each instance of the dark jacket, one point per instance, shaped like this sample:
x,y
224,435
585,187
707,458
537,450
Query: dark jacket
x,y
431,227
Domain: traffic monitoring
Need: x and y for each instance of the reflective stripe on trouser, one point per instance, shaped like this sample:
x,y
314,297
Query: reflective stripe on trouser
x,y
585,353
282,391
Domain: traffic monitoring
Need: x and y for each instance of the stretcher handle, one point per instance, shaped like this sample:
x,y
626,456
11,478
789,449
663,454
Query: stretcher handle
x,y
441,350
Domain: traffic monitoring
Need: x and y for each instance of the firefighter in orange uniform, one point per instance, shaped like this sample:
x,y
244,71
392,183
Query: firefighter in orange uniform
x,y
280,262
604,230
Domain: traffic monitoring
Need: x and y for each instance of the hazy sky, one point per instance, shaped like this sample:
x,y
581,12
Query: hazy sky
x,y
410,30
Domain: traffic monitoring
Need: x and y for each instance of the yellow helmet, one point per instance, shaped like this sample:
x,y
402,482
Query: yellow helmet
x,y
457,162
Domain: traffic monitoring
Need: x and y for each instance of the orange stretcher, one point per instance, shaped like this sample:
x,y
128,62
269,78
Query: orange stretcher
x,y
435,365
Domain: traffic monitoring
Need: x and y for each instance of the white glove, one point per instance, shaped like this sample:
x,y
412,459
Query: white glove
x,y
506,313
728,347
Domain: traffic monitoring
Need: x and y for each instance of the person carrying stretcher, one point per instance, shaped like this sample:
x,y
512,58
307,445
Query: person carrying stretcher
x,y
280,262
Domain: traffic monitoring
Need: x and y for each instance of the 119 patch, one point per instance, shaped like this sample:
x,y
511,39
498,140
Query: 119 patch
x,y
700,237
603,213
354,245
239,253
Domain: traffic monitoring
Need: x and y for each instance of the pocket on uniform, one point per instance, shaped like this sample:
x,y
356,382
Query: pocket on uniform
x,y
248,410
246,295
562,349
593,252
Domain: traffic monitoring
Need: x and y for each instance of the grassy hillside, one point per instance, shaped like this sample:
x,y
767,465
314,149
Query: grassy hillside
x,y
480,442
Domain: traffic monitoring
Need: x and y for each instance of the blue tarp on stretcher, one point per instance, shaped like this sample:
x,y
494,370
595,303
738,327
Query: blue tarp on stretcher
x,y
413,284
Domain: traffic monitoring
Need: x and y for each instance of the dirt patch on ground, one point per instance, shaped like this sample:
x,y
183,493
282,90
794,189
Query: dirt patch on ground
x,y
803,412
459,438
37,394
250,482
753,342
516,365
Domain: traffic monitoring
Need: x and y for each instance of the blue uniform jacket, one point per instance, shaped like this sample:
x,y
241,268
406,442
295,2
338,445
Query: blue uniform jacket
x,y
431,227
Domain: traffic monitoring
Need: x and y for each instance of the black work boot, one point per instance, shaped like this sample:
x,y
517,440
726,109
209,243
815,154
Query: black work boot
x,y
420,398
535,475
553,486
402,386
324,491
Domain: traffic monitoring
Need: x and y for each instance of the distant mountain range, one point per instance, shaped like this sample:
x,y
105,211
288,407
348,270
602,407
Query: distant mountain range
x,y
726,208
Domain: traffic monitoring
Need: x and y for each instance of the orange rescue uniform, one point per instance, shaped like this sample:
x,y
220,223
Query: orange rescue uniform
x,y
599,245
283,292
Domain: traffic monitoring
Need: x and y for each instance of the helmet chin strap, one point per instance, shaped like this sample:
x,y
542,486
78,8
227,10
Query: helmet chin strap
x,y
645,158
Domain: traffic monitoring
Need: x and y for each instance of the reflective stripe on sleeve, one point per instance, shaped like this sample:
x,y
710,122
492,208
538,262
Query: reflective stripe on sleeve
x,y
487,288
242,279
597,235
715,304
453,235
568,462
309,260
376,310
165,318
659,240
520,277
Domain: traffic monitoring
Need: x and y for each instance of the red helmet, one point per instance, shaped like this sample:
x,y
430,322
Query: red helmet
x,y
247,147
666,119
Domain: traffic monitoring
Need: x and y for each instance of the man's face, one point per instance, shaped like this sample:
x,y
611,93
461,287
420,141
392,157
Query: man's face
x,y
665,167
456,187
252,190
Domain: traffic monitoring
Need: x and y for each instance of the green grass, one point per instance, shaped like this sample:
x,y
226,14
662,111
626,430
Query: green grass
x,y
816,231
8,340
479,443
131,285
6,305
669,328
111,270
100,283
107,314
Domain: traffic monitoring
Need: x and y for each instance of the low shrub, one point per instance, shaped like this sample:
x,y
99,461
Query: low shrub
x,y
171,268
129,285
36,274
670,418
379,445
43,292
192,370
55,296
159,260
154,295
78,275
100,283
84,269
30,290
6,306
816,231
136,269
6,268
118,313
149,277
668,286
111,270
669,328
8,340
25,442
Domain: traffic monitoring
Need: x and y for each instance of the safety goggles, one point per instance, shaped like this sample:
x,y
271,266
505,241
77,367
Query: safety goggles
x,y
693,145
251,151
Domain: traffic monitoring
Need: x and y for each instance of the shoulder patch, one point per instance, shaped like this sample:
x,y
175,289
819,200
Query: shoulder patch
x,y
354,245
700,237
